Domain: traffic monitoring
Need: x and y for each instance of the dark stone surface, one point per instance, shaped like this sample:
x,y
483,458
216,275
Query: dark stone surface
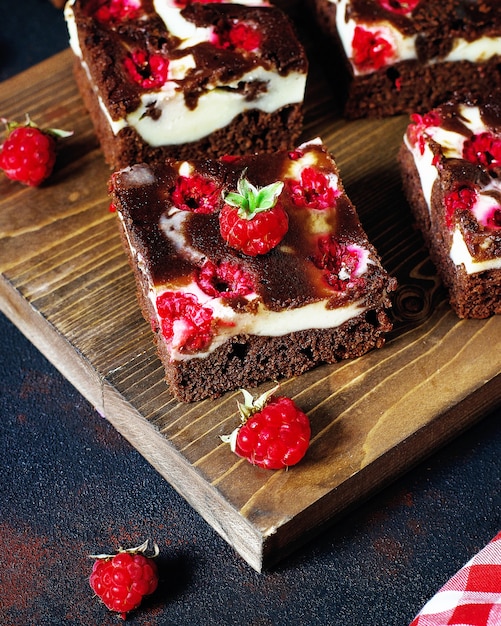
x,y
72,486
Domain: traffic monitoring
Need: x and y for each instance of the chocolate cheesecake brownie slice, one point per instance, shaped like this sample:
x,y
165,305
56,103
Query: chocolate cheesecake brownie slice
x,y
451,170
407,56
184,79
250,268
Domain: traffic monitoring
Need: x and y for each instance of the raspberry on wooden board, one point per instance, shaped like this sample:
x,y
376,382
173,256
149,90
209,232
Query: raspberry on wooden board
x,y
274,433
28,154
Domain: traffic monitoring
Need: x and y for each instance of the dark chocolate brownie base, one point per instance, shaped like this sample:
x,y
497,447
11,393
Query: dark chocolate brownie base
x,y
248,360
470,295
272,358
252,131
410,87
407,87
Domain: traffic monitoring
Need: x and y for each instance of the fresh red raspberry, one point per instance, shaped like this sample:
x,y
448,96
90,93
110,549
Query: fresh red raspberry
x,y
274,432
28,154
226,280
461,199
296,154
185,322
340,263
417,129
493,219
314,191
483,149
399,6
122,580
238,36
114,11
252,220
197,194
147,70
371,51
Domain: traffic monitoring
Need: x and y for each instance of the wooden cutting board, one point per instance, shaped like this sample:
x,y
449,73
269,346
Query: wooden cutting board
x,y
66,284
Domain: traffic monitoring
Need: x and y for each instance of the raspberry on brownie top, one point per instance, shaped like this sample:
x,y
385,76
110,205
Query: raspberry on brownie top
x,y
176,70
457,152
315,270
377,34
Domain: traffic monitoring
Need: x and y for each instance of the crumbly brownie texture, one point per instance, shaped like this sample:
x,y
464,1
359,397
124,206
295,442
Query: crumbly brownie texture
x,y
224,319
406,56
451,170
181,79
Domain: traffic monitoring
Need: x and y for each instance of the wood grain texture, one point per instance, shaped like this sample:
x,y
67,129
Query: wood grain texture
x,y
66,284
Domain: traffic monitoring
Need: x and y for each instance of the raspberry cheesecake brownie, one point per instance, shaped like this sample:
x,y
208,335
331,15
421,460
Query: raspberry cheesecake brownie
x,y
411,55
250,268
183,79
451,169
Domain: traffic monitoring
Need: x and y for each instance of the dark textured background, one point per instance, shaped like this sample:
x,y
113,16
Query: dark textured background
x,y
71,486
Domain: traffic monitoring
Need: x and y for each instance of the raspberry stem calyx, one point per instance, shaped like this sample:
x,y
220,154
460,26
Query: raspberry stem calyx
x,y
11,125
247,409
250,200
142,549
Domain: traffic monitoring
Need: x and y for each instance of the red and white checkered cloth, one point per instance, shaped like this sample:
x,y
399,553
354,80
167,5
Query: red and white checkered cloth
x,y
472,597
